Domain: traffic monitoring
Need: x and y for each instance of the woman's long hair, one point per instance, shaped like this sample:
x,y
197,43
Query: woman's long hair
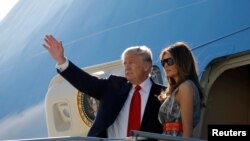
x,y
186,66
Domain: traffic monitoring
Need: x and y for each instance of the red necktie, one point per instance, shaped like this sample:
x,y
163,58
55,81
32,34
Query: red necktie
x,y
134,119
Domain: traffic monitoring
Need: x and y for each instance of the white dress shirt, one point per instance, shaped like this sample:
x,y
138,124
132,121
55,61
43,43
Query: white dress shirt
x,y
63,66
119,128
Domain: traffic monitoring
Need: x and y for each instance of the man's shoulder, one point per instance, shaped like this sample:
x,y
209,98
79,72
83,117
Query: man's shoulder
x,y
158,84
117,78
158,88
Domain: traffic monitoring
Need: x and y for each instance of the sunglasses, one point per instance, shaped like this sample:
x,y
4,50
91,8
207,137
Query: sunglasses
x,y
168,61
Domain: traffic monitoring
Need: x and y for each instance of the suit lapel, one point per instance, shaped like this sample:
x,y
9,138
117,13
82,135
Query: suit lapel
x,y
124,93
121,98
151,105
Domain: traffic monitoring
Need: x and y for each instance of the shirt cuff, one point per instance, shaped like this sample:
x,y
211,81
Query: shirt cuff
x,y
63,66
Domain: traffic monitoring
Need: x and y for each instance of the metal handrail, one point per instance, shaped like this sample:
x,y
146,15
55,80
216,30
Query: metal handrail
x,y
136,135
139,135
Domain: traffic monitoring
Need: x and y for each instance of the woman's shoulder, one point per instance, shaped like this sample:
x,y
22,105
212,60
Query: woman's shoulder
x,y
186,84
187,87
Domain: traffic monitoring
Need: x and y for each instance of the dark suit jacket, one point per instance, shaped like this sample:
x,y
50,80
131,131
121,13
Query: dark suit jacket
x,y
112,94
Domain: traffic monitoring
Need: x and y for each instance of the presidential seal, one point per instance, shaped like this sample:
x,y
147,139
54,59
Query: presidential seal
x,y
88,107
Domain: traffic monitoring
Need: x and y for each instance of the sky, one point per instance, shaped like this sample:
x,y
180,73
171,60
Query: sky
x,y
5,7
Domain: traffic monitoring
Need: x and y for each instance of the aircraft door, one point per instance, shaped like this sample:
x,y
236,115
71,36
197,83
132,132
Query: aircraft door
x,y
62,114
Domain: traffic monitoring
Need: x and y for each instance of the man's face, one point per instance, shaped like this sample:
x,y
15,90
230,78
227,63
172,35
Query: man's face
x,y
136,70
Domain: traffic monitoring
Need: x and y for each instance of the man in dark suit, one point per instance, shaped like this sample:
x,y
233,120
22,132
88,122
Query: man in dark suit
x,y
115,93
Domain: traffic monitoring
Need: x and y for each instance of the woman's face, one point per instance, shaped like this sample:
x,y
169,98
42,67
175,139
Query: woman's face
x,y
169,65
